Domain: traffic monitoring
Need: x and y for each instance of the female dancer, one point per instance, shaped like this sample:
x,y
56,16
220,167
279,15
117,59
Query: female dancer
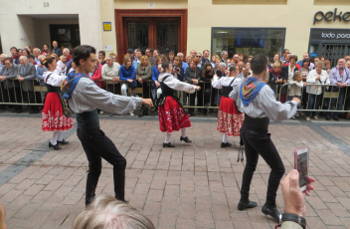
x,y
53,118
171,114
229,118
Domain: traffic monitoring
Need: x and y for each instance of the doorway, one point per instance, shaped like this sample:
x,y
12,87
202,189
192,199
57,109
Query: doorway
x,y
67,35
165,30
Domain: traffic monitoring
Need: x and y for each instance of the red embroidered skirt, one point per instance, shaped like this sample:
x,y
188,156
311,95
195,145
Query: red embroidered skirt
x,y
229,118
172,116
53,118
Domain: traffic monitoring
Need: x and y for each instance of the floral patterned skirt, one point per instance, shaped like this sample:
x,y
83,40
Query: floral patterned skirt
x,y
229,118
53,118
172,116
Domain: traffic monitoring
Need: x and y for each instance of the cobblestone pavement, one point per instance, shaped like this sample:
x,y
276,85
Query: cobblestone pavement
x,y
190,186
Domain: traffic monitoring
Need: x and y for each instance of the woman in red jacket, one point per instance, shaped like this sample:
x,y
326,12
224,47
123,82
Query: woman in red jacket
x,y
97,76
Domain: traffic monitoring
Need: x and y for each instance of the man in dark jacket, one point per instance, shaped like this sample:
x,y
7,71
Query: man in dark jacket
x,y
192,75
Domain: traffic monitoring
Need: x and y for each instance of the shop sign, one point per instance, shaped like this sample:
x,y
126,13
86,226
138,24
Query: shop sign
x,y
337,35
331,16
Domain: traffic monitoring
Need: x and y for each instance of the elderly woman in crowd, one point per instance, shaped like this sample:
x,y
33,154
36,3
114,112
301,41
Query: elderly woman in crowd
x,y
316,78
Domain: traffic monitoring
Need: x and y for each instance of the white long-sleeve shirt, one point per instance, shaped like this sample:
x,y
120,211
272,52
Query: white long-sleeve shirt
x,y
225,81
176,84
87,96
53,78
264,104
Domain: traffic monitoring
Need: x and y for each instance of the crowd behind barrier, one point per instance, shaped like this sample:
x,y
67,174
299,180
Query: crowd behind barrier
x,y
322,88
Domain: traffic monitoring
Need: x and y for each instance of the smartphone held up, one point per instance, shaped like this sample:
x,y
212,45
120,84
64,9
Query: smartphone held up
x,y
301,163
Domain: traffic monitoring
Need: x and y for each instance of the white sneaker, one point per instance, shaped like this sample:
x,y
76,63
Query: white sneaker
x,y
316,117
132,114
308,118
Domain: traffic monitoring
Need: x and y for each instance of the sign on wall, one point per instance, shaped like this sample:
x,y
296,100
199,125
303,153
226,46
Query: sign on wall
x,y
330,35
107,26
331,16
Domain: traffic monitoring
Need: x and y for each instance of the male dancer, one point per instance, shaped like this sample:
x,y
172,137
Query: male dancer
x,y
257,100
84,98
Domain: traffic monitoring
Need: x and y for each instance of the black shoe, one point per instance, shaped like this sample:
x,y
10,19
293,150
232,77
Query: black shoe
x,y
273,212
185,139
225,144
64,142
55,147
242,205
335,118
328,118
168,145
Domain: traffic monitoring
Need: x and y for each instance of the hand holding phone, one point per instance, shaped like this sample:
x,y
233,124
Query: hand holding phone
x,y
301,163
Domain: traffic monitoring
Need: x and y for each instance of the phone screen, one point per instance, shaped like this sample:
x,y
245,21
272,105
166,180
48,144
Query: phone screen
x,y
301,162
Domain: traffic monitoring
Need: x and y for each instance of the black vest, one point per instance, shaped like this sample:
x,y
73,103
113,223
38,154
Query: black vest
x,y
225,91
166,91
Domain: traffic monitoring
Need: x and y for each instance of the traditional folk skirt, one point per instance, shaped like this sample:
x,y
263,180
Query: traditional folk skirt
x,y
53,118
229,118
172,116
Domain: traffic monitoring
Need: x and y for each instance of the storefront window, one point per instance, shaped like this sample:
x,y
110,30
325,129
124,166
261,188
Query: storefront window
x,y
249,41
330,43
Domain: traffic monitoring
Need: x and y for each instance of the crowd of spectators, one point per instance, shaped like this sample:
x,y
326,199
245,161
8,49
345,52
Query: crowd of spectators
x,y
139,69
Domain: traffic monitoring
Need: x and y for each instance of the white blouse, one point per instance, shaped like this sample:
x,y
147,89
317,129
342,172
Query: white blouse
x,y
54,78
176,84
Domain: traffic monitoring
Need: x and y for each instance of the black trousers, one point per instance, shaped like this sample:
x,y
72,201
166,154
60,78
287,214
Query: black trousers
x,y
97,146
257,142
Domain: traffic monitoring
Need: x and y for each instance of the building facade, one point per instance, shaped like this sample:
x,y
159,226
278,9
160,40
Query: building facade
x,y
239,26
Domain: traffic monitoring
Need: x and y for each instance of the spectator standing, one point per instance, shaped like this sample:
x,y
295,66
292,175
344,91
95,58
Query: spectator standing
x,y
14,55
154,57
183,62
305,56
209,93
205,58
316,78
224,56
144,74
45,50
97,76
40,69
36,53
148,53
291,67
284,57
340,79
192,76
178,70
2,58
7,75
155,75
26,75
61,65
171,56
127,75
102,57
110,70
56,49
136,61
